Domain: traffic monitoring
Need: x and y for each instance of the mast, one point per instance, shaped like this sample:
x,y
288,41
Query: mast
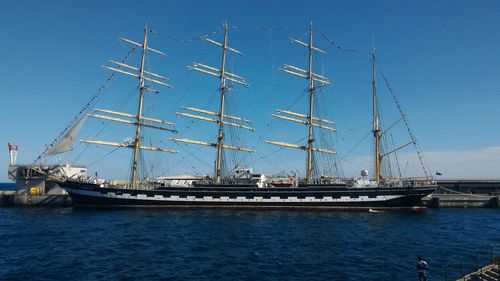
x,y
224,76
308,119
376,130
220,138
137,120
309,166
137,141
378,133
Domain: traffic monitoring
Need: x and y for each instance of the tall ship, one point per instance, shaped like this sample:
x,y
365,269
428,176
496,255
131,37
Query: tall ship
x,y
245,189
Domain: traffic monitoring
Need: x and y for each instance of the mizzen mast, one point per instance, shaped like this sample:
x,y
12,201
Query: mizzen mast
x,y
376,130
224,76
137,120
308,119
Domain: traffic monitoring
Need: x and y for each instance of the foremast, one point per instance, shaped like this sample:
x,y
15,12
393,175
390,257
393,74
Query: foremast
x,y
138,119
308,119
137,142
224,76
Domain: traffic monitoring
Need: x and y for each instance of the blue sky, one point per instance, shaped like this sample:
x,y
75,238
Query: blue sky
x,y
441,58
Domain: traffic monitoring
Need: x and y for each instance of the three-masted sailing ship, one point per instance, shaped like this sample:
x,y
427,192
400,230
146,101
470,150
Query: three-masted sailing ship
x,y
249,192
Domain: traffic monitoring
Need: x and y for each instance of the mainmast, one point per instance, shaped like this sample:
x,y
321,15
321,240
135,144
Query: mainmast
x,y
139,120
309,166
376,130
224,76
309,118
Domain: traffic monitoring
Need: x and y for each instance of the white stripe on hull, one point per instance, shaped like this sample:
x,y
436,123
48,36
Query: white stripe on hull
x,y
239,199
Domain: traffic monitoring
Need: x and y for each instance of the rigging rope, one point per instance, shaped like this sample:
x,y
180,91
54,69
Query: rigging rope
x,y
220,30
270,126
87,146
335,45
396,156
261,28
102,157
84,110
355,146
410,132
186,41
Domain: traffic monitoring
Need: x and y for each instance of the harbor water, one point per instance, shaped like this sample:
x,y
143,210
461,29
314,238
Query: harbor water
x,y
218,244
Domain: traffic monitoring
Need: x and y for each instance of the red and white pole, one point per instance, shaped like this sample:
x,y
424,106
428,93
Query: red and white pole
x,y
13,153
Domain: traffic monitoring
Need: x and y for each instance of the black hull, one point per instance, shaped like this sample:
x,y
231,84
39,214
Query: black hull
x,y
307,197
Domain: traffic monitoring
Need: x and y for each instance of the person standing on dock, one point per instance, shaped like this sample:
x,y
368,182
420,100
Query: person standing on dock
x,y
422,269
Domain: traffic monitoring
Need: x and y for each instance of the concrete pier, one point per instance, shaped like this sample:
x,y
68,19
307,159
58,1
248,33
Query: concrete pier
x,y
12,198
461,201
471,186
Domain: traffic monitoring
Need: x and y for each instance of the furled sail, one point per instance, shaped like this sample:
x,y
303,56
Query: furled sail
x,y
66,143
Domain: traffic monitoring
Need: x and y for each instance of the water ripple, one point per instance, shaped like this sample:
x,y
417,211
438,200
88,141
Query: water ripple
x,y
58,244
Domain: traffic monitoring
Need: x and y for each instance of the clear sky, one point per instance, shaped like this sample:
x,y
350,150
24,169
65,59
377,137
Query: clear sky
x,y
442,59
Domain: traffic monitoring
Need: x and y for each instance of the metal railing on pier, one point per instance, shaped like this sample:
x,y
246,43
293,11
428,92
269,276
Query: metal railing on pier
x,y
483,264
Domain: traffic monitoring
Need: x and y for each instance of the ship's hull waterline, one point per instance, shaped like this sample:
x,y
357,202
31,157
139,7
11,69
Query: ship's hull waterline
x,y
324,197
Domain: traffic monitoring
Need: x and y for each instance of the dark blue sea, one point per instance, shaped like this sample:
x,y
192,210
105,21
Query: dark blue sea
x,y
83,244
